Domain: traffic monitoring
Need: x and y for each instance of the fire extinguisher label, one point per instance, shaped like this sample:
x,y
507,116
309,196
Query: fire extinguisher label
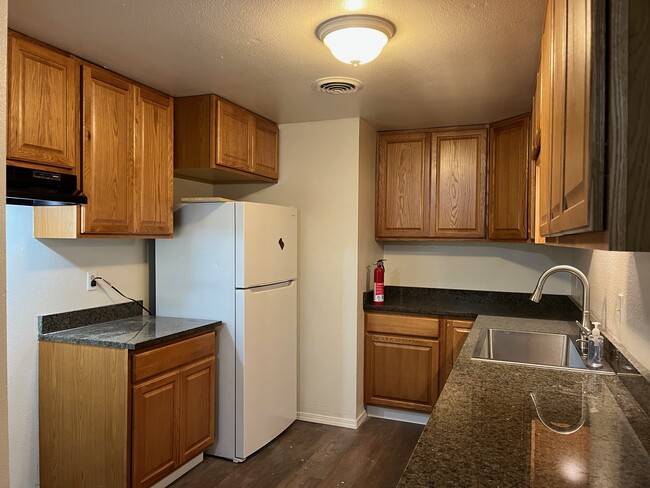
x,y
379,292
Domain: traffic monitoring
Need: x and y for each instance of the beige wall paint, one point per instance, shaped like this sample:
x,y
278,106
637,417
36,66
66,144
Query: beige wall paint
x,y
44,277
369,250
319,174
609,274
476,266
4,410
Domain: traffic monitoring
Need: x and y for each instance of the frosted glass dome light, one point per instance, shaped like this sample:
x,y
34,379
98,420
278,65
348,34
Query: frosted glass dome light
x,y
355,39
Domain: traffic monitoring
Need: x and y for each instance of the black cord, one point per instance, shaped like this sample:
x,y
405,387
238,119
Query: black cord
x,y
128,298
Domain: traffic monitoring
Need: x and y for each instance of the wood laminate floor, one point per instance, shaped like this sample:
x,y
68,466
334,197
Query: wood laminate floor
x,y
315,455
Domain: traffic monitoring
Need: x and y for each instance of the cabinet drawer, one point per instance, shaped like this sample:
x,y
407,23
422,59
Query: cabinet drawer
x,y
402,324
164,358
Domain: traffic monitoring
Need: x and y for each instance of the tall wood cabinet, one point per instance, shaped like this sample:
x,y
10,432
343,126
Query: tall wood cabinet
x,y
572,114
218,142
124,419
431,184
43,107
508,179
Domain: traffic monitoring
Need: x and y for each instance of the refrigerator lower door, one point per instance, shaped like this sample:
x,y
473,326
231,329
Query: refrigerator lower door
x,y
266,367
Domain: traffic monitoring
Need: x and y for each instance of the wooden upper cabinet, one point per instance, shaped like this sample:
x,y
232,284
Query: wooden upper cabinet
x,y
219,142
43,111
154,164
458,181
235,129
403,185
108,152
543,162
577,118
265,148
508,179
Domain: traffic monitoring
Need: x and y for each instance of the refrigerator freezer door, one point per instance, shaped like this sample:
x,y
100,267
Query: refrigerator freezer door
x,y
266,366
266,244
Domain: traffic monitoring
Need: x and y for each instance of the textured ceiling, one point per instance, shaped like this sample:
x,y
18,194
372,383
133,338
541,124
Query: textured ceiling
x,y
450,62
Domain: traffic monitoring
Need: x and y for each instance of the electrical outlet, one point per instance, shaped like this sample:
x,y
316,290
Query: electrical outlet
x,y
620,308
90,275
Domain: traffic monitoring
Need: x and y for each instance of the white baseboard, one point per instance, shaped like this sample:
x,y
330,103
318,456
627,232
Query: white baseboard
x,y
171,477
397,414
336,421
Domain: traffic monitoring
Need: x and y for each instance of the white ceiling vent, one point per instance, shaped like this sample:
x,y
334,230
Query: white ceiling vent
x,y
337,85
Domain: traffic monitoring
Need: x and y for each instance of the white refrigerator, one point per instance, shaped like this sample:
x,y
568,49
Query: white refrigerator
x,y
237,262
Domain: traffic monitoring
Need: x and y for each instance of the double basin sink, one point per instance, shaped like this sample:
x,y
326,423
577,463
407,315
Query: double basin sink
x,y
536,349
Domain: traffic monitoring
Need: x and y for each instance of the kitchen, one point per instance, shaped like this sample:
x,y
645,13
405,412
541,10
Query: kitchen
x,y
333,273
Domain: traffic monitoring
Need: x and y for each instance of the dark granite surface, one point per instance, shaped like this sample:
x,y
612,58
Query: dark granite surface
x,y
80,318
464,303
485,430
133,332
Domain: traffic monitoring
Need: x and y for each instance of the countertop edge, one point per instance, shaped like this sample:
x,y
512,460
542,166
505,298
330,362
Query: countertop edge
x,y
53,337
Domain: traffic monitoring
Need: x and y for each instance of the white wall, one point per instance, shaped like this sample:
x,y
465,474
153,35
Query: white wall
x,y
319,174
609,274
476,266
369,250
45,277
4,433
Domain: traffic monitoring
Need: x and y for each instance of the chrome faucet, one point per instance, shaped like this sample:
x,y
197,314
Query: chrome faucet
x,y
585,326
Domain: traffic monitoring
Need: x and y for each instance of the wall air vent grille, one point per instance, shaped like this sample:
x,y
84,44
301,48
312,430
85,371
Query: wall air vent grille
x,y
337,86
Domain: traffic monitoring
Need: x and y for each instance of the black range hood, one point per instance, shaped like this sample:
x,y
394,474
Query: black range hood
x,y
35,187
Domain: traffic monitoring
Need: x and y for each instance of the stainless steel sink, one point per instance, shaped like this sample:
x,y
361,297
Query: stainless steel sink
x,y
536,349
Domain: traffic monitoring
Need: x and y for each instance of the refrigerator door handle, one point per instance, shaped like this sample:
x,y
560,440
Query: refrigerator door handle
x,y
273,286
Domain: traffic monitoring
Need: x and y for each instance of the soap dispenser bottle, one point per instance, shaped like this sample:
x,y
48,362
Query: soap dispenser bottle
x,y
595,348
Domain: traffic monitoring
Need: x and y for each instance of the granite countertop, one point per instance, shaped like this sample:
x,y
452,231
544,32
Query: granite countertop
x,y
466,303
486,431
132,332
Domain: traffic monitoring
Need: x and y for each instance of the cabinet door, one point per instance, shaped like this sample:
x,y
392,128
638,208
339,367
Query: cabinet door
x,y
108,153
508,202
543,170
403,185
43,115
235,128
155,428
197,408
265,148
456,332
154,165
458,179
577,198
401,372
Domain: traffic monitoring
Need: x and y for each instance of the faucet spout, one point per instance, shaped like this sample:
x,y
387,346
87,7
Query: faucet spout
x,y
585,326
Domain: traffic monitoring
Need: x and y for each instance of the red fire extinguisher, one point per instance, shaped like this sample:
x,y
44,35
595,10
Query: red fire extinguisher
x,y
378,295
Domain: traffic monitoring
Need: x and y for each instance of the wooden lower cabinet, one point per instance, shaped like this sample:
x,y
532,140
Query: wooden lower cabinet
x,y
408,358
401,372
120,419
456,332
155,430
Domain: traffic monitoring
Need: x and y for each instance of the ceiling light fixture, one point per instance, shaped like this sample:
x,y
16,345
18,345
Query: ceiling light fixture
x,y
355,39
